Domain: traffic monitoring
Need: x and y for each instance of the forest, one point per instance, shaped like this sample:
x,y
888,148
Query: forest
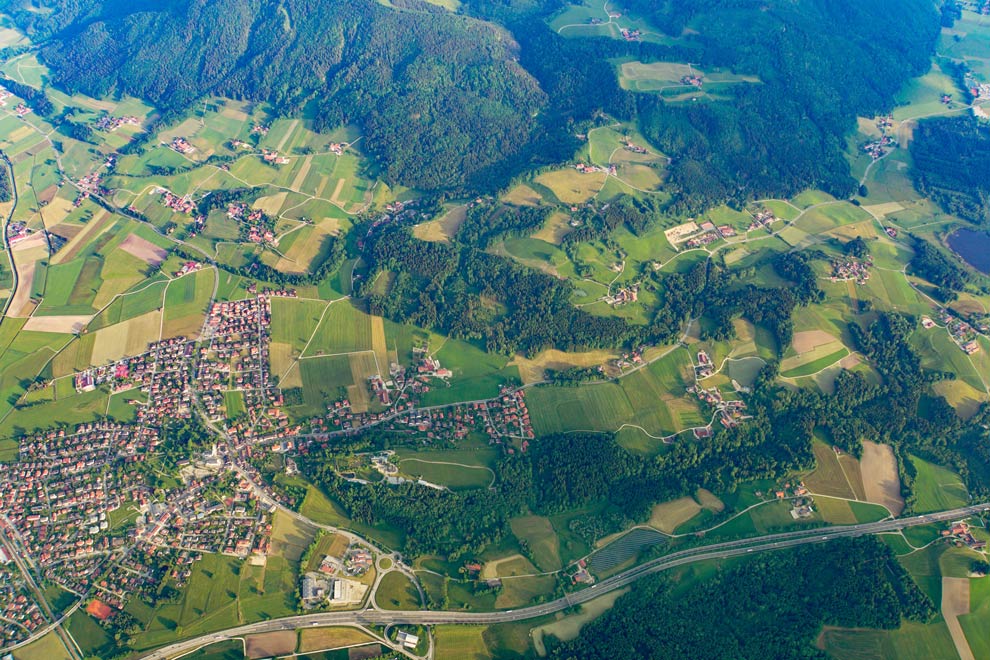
x,y
950,163
771,606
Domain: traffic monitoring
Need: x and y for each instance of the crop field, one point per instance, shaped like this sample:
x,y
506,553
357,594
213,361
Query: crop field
x,y
186,300
344,329
324,379
461,643
937,488
652,398
320,639
912,641
828,477
624,549
976,623
540,538
572,187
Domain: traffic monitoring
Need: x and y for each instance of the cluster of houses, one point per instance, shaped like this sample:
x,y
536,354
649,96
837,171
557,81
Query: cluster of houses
x,y
709,233
337,148
233,355
88,185
585,168
877,149
182,146
273,157
693,80
254,224
165,375
629,294
183,205
705,366
237,525
851,270
137,574
355,562
730,413
22,110
17,231
20,615
60,493
579,573
109,123
762,219
632,359
259,129
240,144
962,535
631,35
961,332
634,148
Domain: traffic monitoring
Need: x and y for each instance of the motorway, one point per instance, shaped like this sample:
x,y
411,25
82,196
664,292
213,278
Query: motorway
x,y
713,551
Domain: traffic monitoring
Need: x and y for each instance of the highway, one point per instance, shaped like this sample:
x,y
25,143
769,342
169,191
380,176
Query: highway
x,y
673,560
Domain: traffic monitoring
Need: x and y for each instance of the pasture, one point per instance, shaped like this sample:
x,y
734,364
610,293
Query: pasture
x,y
461,643
397,592
937,488
540,539
912,641
452,475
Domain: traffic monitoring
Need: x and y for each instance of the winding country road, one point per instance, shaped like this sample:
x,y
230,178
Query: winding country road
x,y
691,555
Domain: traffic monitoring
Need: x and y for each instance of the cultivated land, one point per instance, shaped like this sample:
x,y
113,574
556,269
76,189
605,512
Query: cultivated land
x,y
132,265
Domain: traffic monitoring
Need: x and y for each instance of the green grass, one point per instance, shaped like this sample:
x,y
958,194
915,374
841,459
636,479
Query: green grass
x,y
976,624
924,568
815,366
937,488
653,398
325,379
344,329
461,643
397,592
293,321
232,650
455,477
89,635
912,641
234,404
540,539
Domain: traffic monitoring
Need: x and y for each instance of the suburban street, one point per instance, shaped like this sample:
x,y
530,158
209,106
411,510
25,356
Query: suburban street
x,y
707,552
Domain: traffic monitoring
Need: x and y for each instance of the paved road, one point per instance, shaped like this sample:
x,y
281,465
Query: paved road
x,y
713,551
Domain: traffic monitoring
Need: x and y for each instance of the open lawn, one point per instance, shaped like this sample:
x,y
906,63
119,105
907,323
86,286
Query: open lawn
x,y
937,488
912,641
49,647
452,475
539,537
397,592
461,643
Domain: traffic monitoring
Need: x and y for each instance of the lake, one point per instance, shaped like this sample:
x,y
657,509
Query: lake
x,y
973,246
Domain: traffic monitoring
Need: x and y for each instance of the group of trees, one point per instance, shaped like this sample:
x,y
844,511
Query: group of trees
x,y
950,157
930,263
771,606
487,222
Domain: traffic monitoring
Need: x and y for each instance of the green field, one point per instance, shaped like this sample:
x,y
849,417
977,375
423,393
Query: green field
x,y
344,329
652,398
937,488
540,539
912,641
461,643
397,592
455,477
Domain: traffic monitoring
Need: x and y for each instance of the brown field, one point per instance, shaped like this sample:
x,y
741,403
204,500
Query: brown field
x,y
93,228
837,512
319,639
962,396
291,378
709,501
302,252
828,477
379,346
335,197
26,255
854,474
808,340
61,324
955,602
571,186
364,652
880,479
884,209
443,228
281,357
144,250
303,173
185,326
522,195
531,369
270,644
55,212
668,516
555,229
271,204
128,338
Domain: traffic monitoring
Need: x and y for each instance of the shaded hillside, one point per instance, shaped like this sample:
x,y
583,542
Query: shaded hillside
x,y
438,96
951,161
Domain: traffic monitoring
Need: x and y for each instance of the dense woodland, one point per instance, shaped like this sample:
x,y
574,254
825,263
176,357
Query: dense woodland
x,y
771,606
950,165
465,103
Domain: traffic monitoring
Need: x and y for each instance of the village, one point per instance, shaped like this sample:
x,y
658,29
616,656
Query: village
x,y
962,333
730,413
851,270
